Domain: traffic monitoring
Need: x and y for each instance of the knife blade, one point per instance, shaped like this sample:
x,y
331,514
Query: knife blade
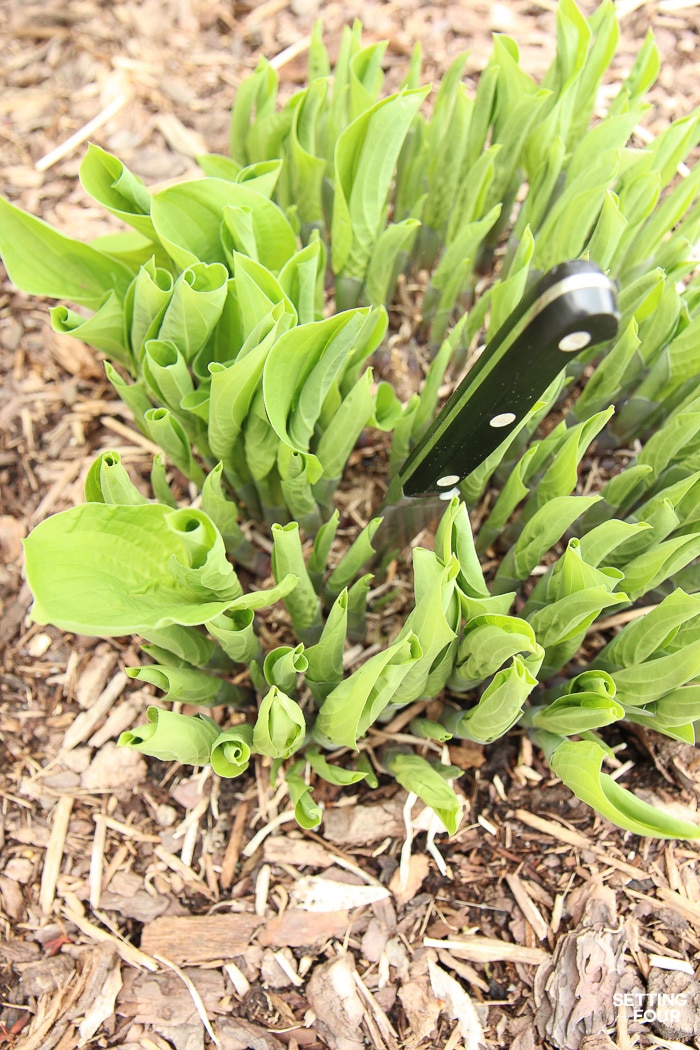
x,y
572,307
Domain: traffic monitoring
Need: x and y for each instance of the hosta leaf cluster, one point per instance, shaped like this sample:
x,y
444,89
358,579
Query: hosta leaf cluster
x,y
215,317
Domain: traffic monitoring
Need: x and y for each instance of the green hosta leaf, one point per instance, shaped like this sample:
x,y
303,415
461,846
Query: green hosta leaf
x,y
233,389
487,643
302,603
187,684
651,568
42,261
356,703
323,541
166,373
608,381
578,763
108,482
302,366
454,537
105,330
172,737
187,218
430,783
642,683
360,551
357,607
513,492
231,751
542,531
225,514
299,473
434,621
188,645
429,730
111,184
167,431
561,476
282,666
365,158
325,659
113,570
280,727
499,707
561,626
146,302
254,102
597,545
195,307
642,638
341,435
302,278
575,714
388,260
218,166
160,485
235,632
307,813
332,774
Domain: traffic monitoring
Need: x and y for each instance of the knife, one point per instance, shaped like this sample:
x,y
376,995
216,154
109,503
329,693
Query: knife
x,y
572,307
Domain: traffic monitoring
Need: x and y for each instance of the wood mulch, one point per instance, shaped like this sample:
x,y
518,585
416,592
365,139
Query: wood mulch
x,y
147,908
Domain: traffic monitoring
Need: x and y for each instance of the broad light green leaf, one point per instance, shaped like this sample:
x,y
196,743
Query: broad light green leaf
x,y
645,636
427,781
42,261
231,751
642,683
280,727
173,737
111,570
578,763
651,568
187,218
575,714
188,645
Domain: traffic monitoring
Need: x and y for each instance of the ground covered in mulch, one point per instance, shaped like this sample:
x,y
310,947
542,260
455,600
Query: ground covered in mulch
x,y
145,907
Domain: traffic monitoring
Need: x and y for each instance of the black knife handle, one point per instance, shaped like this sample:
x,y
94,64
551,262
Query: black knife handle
x,y
573,306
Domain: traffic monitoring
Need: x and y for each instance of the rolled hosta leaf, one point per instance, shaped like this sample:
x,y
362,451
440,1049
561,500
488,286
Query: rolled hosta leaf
x,y
188,645
578,763
231,751
283,665
359,552
581,709
307,813
652,679
304,363
166,430
105,329
332,774
188,684
498,709
108,482
654,632
173,738
280,727
235,633
542,531
195,307
365,158
430,782
487,643
454,537
325,659
108,570
111,184
302,603
356,703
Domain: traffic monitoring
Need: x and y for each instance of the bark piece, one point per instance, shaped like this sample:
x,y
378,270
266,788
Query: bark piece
x,y
334,998
299,929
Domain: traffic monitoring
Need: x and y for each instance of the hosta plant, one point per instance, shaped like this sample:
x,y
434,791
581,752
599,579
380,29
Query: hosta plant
x,y
240,317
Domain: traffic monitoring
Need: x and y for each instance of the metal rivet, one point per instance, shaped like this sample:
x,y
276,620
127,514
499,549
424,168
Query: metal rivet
x,y
449,479
503,419
574,341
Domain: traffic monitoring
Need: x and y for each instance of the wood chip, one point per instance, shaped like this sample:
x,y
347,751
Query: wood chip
x,y
54,852
190,939
527,906
480,949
